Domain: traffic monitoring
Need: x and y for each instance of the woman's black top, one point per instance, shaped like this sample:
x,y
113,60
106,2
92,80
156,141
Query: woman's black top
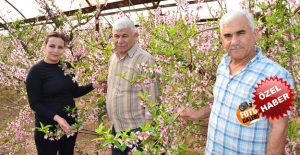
x,y
50,91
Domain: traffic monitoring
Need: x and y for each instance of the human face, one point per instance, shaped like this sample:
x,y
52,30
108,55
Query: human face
x,y
124,40
54,49
238,39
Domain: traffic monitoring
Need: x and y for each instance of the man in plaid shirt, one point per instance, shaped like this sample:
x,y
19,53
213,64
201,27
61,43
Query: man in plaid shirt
x,y
123,102
239,72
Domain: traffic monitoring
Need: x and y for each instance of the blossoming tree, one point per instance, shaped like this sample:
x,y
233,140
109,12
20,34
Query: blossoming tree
x,y
187,54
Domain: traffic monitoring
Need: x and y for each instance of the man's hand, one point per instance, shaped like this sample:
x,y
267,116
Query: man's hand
x,y
192,114
189,114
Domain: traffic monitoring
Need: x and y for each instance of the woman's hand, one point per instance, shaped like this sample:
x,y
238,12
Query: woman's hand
x,y
100,84
63,123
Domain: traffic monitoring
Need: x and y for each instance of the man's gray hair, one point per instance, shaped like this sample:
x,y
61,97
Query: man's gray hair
x,y
123,23
228,17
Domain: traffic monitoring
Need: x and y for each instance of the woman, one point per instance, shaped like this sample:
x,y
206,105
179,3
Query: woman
x,y
49,92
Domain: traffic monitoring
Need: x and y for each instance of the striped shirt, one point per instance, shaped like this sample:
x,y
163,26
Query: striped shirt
x,y
123,104
226,135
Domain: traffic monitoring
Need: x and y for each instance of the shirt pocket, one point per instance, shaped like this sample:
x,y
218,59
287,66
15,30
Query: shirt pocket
x,y
130,81
244,92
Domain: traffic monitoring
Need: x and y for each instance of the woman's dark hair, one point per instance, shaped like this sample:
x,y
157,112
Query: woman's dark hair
x,y
57,35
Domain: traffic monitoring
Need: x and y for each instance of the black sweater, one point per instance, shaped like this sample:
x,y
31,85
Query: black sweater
x,y
49,91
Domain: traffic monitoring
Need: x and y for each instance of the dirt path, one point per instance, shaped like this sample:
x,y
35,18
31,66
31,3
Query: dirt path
x,y
10,107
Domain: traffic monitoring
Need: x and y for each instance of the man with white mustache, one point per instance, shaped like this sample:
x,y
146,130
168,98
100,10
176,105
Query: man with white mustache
x,y
123,103
239,72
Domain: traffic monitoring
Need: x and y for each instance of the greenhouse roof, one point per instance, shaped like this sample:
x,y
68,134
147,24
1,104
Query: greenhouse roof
x,y
37,11
31,10
12,10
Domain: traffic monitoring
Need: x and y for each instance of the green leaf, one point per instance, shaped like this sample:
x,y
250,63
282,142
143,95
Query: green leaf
x,y
99,139
133,78
108,141
123,147
122,75
99,129
118,134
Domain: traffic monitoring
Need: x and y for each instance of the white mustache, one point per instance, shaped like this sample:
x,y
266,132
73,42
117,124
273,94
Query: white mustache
x,y
124,44
235,47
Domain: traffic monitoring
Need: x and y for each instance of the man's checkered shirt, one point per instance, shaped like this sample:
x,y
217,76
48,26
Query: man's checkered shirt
x,y
226,135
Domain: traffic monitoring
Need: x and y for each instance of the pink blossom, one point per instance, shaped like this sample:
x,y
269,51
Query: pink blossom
x,y
146,135
203,82
139,135
162,150
177,75
200,88
158,70
160,119
199,7
143,103
277,42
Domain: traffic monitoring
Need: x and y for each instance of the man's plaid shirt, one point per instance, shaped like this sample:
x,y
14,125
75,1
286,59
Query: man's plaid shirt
x,y
226,135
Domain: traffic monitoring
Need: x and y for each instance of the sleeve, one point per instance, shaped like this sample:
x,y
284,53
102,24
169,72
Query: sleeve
x,y
82,90
286,76
152,90
34,93
79,91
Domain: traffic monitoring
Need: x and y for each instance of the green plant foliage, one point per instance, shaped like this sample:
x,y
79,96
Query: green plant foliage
x,y
187,54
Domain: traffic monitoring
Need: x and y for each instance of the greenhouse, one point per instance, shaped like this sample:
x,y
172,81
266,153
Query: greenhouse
x,y
169,77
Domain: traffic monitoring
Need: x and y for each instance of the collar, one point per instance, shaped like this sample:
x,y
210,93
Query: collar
x,y
132,50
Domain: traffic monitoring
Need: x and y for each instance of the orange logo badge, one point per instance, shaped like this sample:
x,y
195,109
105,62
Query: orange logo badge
x,y
247,114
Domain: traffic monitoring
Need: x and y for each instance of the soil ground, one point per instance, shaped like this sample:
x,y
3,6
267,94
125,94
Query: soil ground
x,y
10,107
